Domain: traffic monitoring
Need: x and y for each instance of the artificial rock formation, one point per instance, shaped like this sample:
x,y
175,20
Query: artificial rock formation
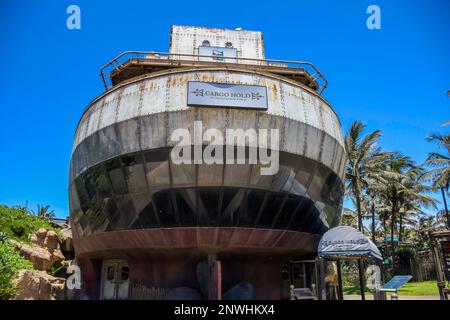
x,y
38,285
44,251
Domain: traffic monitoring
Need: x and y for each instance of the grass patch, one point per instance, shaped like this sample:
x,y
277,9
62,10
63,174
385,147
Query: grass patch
x,y
18,223
352,290
425,288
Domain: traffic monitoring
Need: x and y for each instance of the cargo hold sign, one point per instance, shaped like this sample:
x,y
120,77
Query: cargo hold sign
x,y
209,94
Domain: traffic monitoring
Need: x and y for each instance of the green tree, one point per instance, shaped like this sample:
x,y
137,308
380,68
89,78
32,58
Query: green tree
x,y
349,218
420,232
439,163
363,163
45,212
403,191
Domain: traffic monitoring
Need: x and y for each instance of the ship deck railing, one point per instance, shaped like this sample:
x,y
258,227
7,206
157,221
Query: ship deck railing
x,y
131,64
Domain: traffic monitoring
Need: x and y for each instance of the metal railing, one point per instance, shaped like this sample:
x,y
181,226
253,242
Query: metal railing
x,y
140,56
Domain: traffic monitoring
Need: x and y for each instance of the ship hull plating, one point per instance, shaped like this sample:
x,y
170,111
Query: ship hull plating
x,y
130,201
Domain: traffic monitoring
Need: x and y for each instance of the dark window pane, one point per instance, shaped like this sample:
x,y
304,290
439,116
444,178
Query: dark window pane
x,y
74,202
134,173
309,217
208,206
141,200
99,181
300,213
165,209
317,185
127,212
186,202
82,195
305,170
136,224
89,184
249,211
112,211
97,217
231,202
147,216
79,230
84,225
157,169
287,212
270,209
117,177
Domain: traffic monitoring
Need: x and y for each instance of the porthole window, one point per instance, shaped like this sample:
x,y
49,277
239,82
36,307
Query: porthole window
x,y
206,43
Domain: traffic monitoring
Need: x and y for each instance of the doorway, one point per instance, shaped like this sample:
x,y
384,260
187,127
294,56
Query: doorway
x,y
299,274
115,280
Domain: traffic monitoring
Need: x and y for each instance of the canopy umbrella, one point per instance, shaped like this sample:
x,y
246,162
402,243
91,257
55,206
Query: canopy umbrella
x,y
347,242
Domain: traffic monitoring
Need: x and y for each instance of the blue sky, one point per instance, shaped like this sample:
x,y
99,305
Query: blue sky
x,y
393,79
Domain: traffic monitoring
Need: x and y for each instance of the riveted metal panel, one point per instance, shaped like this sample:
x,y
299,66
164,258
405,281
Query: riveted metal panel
x,y
93,119
109,108
186,39
129,104
291,109
154,96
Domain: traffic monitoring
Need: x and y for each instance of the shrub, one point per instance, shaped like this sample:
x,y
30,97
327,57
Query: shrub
x,y
18,223
3,237
10,263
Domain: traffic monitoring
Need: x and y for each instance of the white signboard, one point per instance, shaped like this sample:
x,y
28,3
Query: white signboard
x,y
219,54
226,95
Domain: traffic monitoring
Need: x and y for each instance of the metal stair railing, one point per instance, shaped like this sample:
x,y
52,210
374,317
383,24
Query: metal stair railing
x,y
118,63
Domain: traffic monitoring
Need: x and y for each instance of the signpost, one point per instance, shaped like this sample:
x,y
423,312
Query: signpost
x,y
440,247
445,245
395,284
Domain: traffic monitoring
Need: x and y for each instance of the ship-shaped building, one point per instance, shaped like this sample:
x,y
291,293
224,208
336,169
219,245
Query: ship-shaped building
x,y
147,225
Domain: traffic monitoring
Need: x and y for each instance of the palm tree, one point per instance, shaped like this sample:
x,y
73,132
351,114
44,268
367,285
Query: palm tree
x,y
44,212
364,160
349,218
409,215
372,204
404,191
439,163
421,232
